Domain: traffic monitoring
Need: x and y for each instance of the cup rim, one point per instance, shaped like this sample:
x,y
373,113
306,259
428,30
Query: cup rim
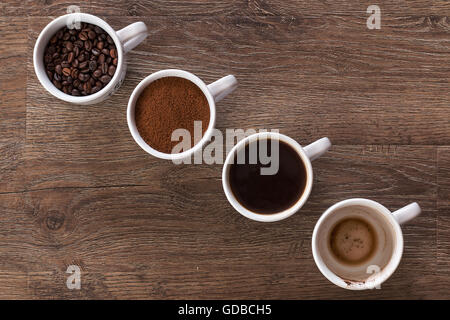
x,y
260,216
132,104
387,270
41,73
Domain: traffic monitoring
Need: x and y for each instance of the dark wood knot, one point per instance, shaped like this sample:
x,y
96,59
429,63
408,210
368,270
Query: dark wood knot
x,y
54,220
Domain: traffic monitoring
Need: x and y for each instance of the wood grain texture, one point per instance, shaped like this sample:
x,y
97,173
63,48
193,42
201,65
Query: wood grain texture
x,y
148,241
76,189
13,58
443,232
216,7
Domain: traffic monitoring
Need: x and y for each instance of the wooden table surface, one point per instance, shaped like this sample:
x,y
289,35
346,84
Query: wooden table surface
x,y
75,189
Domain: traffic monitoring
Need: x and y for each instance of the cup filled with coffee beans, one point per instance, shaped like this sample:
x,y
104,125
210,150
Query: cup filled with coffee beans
x,y
171,100
268,176
357,243
79,58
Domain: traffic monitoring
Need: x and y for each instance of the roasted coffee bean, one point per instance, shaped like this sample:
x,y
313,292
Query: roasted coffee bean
x,y
111,70
66,71
105,79
57,84
58,69
91,35
83,64
97,73
92,65
74,74
83,36
87,87
47,58
76,83
69,46
98,30
78,43
95,89
70,57
104,68
51,50
80,61
88,45
95,51
113,53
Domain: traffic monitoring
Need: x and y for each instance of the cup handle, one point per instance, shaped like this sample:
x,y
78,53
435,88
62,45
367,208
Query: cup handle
x,y
221,88
132,35
317,148
407,213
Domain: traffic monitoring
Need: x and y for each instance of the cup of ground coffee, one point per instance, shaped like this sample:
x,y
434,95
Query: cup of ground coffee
x,y
268,176
357,244
169,101
79,58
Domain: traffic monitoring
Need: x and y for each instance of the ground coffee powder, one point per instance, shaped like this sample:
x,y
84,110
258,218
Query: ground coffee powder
x,y
168,104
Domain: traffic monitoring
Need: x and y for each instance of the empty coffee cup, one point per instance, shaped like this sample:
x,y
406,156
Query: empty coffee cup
x,y
357,244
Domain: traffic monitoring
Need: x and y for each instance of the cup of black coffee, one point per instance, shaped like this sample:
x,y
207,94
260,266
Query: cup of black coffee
x,y
268,176
79,58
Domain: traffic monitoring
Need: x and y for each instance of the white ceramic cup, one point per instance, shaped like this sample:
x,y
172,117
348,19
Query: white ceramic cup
x,y
386,257
307,154
124,39
213,92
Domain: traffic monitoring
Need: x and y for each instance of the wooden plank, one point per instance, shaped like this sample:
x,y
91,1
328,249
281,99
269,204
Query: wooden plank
x,y
342,85
229,7
13,51
148,241
443,226
76,189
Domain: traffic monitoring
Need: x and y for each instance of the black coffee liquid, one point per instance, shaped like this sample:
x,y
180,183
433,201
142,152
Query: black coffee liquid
x,y
268,194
